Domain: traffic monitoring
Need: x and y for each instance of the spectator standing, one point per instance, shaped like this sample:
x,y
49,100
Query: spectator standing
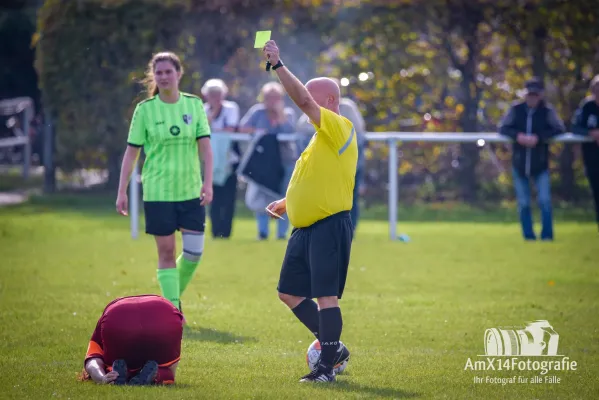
x,y
532,123
586,123
223,116
272,116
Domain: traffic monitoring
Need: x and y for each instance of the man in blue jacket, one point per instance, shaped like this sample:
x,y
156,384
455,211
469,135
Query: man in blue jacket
x,y
532,123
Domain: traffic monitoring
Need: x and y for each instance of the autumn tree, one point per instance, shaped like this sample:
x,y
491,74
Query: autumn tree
x,y
560,39
435,54
90,54
87,53
443,65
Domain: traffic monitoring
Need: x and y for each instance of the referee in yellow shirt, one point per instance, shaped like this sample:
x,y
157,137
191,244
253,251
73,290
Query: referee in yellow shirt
x,y
318,203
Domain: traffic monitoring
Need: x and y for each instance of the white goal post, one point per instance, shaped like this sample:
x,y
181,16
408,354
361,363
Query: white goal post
x,y
392,138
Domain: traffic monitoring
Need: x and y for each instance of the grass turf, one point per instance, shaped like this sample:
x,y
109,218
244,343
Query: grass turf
x,y
413,313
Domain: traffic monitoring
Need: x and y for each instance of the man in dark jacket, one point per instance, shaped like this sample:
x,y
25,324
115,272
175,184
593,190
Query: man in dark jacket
x,y
532,123
586,123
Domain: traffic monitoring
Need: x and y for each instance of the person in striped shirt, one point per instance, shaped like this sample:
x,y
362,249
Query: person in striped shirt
x,y
173,129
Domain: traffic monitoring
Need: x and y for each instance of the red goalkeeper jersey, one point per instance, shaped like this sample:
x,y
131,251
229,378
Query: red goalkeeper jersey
x,y
138,329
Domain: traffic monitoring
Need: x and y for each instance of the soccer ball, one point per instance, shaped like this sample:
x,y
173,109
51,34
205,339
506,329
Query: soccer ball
x,y
313,355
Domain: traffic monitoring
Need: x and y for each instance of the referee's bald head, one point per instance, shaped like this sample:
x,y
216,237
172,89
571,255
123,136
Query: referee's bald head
x,y
326,92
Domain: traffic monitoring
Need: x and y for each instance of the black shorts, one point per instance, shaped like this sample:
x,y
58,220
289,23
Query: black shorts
x,y
317,258
163,218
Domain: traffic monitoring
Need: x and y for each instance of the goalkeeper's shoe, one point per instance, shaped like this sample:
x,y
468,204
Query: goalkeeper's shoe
x,y
120,366
146,375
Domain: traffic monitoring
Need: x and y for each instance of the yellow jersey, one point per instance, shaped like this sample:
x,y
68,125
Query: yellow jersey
x,y
322,183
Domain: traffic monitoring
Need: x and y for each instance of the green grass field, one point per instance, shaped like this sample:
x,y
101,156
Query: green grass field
x,y
413,312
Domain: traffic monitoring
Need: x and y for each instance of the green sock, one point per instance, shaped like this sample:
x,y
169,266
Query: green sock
x,y
168,278
186,269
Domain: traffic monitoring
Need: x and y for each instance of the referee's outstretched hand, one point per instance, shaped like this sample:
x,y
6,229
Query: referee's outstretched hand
x,y
278,207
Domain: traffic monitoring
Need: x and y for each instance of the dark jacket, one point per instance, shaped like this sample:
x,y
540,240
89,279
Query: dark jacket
x,y
262,164
585,119
542,121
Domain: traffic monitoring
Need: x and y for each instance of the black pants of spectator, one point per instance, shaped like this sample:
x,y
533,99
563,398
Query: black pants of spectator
x,y
590,154
222,208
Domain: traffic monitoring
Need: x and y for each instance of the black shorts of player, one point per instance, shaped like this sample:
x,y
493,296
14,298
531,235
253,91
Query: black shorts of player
x,y
317,257
163,218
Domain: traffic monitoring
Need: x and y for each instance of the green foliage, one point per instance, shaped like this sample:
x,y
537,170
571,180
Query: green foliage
x,y
431,65
16,28
88,53
461,64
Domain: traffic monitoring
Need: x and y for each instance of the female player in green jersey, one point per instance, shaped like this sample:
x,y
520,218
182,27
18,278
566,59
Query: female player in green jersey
x,y
173,129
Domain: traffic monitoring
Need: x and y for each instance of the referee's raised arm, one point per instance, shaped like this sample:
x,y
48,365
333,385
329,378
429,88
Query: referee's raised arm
x,y
318,99
293,86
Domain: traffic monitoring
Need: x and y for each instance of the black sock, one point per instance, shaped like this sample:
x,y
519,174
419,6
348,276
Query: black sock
x,y
330,333
307,312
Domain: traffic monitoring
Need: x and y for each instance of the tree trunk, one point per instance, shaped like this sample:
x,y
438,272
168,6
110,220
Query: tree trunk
x,y
470,93
467,18
539,37
469,153
566,173
114,169
48,153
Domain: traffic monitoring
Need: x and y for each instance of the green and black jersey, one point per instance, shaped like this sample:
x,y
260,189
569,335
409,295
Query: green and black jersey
x,y
169,134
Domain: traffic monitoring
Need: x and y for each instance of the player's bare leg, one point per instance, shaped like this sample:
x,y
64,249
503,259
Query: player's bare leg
x,y
290,300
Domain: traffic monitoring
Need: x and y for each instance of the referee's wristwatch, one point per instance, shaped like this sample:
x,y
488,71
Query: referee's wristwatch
x,y
279,64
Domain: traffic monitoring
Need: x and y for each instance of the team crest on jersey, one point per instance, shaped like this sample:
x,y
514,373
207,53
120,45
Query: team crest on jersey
x,y
592,122
187,118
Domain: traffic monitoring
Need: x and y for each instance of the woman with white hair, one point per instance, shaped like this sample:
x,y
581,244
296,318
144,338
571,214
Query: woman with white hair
x,y
223,116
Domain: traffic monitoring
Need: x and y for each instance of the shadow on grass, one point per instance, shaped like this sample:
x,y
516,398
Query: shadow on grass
x,y
213,335
368,390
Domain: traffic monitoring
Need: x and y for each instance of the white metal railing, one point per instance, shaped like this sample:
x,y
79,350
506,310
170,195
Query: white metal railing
x,y
392,138
15,106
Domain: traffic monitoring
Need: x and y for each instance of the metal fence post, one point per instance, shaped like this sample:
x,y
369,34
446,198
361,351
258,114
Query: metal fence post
x,y
392,189
27,145
48,153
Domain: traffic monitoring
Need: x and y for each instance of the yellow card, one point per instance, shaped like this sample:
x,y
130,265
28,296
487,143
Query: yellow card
x,y
261,38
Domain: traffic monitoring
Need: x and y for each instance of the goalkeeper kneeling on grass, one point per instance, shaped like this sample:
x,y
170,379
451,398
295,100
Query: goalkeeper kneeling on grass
x,y
137,341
